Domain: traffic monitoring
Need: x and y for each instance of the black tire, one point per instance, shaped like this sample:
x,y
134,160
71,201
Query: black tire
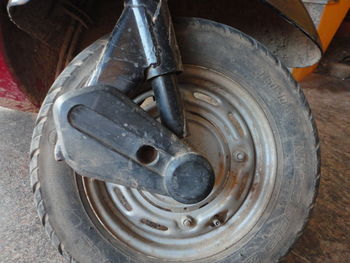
x,y
65,215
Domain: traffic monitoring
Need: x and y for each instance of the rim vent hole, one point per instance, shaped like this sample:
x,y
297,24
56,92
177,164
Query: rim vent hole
x,y
122,199
147,102
206,98
153,225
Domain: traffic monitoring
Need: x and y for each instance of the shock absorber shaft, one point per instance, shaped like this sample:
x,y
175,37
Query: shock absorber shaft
x,y
170,104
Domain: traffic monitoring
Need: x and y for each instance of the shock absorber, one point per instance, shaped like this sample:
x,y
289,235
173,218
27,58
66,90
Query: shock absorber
x,y
146,27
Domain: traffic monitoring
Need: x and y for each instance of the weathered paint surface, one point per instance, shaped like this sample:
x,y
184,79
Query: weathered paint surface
x,y
11,95
331,19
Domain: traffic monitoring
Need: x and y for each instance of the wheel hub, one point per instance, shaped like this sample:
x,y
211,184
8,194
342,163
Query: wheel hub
x,y
222,127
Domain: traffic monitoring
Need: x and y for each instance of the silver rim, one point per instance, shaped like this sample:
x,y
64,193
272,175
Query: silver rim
x,y
226,125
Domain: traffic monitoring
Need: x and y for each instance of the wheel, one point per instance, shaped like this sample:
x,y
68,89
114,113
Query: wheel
x,y
250,119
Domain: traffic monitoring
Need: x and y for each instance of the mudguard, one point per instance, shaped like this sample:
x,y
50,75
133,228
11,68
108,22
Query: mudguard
x,y
295,12
296,48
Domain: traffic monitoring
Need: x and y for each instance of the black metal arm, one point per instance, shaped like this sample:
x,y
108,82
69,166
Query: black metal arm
x,y
143,47
102,134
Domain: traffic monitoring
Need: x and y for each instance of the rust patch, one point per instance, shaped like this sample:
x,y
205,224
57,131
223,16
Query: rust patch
x,y
242,186
234,178
236,124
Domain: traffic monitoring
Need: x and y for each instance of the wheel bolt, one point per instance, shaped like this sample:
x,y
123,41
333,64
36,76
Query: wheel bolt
x,y
216,222
187,222
240,156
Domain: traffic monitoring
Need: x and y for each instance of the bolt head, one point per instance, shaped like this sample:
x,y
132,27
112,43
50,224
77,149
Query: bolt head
x,y
240,156
187,221
216,222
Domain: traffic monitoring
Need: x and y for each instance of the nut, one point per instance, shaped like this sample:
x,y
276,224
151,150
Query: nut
x,y
240,156
216,222
188,221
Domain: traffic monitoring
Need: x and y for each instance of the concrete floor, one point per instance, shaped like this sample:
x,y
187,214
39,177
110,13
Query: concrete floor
x,y
22,238
326,238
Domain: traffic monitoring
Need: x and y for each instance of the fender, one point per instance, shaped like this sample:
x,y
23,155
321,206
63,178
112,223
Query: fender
x,y
292,11
295,12
33,59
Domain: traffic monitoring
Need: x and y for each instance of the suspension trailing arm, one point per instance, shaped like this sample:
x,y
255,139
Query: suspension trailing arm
x,y
102,134
143,47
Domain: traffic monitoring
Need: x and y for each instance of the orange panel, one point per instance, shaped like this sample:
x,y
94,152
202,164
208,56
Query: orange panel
x,y
332,17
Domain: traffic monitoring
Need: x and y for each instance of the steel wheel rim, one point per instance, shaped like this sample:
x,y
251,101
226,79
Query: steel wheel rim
x,y
233,123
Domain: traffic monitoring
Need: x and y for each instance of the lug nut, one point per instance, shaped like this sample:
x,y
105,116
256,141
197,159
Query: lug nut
x,y
216,222
240,156
187,222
